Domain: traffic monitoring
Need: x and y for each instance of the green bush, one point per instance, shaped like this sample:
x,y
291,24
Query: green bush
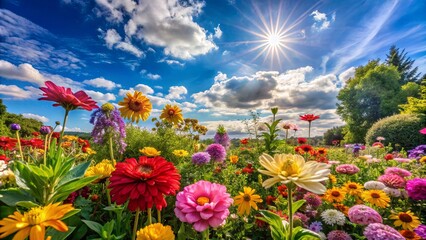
x,y
401,131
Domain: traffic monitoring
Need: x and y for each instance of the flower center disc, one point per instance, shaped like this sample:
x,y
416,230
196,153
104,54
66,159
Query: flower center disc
x,y
246,197
405,217
135,106
352,186
145,169
375,195
34,217
335,193
202,200
171,112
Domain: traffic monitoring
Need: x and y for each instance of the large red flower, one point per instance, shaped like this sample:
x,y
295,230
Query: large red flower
x,y
309,117
144,182
66,98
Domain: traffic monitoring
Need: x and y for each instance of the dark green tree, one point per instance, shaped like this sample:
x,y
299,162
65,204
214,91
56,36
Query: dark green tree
x,y
335,133
373,93
3,108
404,64
28,125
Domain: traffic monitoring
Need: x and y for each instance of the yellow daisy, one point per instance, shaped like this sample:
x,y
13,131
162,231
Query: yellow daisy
x,y
102,169
233,158
353,188
406,220
150,152
34,222
180,153
423,160
286,168
172,114
135,107
376,197
247,200
334,195
155,231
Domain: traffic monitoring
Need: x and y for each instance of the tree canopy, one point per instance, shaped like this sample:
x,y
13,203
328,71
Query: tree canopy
x,y
404,64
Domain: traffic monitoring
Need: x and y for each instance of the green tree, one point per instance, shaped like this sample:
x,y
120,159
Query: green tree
x,y
404,64
416,104
28,125
335,133
373,93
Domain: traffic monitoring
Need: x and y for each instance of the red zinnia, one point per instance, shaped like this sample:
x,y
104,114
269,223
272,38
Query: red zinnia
x,y
389,156
244,141
309,117
302,140
66,98
307,148
4,158
144,182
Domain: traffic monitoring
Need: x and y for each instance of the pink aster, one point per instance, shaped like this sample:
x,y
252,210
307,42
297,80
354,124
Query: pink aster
x,y
349,169
203,204
398,171
392,180
364,215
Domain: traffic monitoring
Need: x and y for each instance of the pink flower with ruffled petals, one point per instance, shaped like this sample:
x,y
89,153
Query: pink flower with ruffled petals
x,y
203,204
348,169
398,171
392,180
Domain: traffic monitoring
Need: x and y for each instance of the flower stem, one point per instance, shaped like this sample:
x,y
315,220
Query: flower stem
x,y
111,151
309,133
206,234
46,139
149,216
158,216
63,127
19,145
290,210
135,224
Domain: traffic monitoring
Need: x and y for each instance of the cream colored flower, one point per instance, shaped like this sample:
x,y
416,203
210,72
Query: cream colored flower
x,y
286,168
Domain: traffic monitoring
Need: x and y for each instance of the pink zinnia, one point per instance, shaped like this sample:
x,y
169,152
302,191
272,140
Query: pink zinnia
x,y
203,204
416,189
392,180
423,131
349,169
66,98
398,171
364,215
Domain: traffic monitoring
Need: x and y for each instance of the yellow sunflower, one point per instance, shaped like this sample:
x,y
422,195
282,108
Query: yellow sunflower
x,y
102,169
233,159
332,179
135,107
341,207
34,222
406,220
247,200
155,231
286,168
150,152
353,188
171,114
180,153
376,197
334,195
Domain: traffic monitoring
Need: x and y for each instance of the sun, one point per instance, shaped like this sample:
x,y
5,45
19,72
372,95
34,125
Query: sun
x,y
274,40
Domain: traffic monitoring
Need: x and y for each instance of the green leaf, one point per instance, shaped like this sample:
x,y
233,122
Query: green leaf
x,y
6,211
97,227
26,204
70,213
278,229
296,205
181,232
57,235
75,173
63,191
11,196
305,234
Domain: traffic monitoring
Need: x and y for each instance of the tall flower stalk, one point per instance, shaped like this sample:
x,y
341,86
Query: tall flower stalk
x,y
309,118
16,127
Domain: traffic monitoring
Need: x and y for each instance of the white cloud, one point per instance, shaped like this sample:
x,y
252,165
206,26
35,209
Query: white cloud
x,y
153,76
171,62
23,72
203,110
113,40
101,82
176,92
321,20
14,91
163,23
42,119
145,89
348,73
100,97
217,32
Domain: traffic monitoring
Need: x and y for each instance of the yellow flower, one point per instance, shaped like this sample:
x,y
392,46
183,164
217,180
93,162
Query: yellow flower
x,y
150,152
406,220
90,151
334,195
66,144
353,188
135,107
172,114
233,158
155,231
341,207
423,160
34,222
376,197
332,178
70,138
286,168
247,200
180,153
102,169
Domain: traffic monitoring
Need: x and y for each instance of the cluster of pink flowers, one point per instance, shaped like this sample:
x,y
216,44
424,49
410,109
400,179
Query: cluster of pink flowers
x,y
398,171
392,180
203,204
377,231
416,189
349,169
364,215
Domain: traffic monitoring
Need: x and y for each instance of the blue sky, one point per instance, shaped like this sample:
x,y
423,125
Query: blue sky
x,y
215,59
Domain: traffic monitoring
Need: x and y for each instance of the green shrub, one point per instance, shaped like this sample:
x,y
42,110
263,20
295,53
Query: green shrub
x,y
401,131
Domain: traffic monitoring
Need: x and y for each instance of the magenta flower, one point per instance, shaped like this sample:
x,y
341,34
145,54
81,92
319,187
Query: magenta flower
x,y
416,189
398,171
392,180
203,204
312,199
217,152
378,231
423,131
338,235
349,169
364,215
421,231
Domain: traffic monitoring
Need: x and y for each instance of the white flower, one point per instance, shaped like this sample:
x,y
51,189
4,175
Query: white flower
x,y
332,216
374,185
392,192
3,165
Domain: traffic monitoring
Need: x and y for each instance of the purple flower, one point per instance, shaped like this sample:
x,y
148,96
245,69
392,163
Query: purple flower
x,y
398,171
364,215
217,152
312,199
201,158
15,127
378,231
108,124
315,226
392,180
421,231
44,130
222,139
349,169
203,204
416,189
417,152
338,235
